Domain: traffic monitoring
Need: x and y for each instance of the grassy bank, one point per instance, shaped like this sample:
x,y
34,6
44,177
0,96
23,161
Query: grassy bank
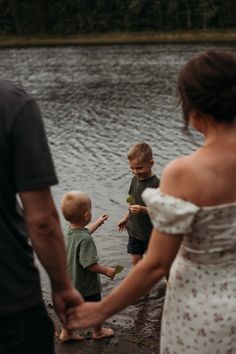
x,y
121,38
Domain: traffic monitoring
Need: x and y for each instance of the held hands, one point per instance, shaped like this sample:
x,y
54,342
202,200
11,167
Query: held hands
x,y
88,314
63,300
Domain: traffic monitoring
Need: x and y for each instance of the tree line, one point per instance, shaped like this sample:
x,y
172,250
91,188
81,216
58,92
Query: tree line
x,y
64,17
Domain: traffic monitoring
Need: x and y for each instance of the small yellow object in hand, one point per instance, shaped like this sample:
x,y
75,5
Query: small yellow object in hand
x,y
130,199
119,269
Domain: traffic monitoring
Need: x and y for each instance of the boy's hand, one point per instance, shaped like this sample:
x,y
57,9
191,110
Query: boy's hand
x,y
110,272
102,218
138,209
122,224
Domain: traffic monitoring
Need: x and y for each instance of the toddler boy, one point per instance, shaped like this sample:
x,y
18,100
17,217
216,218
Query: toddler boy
x,y
82,258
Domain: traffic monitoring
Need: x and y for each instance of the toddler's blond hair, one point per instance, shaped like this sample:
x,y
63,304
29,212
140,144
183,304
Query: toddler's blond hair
x,y
74,204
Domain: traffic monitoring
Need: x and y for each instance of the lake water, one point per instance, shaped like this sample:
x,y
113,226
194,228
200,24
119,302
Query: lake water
x,y
96,101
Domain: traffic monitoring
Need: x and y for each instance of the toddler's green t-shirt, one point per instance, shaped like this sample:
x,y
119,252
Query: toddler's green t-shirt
x,y
81,253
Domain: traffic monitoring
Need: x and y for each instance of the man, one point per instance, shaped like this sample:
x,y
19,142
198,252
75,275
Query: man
x,y
26,170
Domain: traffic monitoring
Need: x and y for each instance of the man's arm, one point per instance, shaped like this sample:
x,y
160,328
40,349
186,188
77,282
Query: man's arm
x,y
45,232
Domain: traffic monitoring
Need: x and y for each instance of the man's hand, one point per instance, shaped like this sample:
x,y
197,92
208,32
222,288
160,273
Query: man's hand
x,y
65,300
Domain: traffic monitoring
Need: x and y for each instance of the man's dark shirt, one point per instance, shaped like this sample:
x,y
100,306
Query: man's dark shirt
x,y
25,165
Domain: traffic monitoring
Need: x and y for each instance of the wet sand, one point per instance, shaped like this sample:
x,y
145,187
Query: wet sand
x,y
127,339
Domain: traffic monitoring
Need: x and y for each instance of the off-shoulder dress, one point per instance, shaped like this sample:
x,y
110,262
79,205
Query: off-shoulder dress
x,y
199,315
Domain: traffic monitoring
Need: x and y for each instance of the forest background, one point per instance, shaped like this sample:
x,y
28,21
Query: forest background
x,y
70,17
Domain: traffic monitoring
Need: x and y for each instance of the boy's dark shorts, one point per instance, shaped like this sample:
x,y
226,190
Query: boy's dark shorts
x,y
93,298
136,246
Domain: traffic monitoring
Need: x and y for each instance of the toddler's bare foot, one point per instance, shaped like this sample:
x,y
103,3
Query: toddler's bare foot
x,y
103,333
66,336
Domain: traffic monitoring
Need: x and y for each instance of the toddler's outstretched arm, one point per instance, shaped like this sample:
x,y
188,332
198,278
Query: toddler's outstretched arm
x,y
100,220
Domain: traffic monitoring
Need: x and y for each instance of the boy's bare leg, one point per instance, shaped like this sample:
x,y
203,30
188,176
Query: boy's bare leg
x,y
100,332
69,335
136,258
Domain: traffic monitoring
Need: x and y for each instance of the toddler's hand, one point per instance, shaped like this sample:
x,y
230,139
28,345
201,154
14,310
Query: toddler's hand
x,y
102,218
111,272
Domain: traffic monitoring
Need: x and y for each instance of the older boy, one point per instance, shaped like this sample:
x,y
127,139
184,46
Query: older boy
x,y
136,219
82,258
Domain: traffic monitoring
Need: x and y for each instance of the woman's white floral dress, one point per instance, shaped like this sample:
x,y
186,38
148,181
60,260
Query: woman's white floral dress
x,y
199,314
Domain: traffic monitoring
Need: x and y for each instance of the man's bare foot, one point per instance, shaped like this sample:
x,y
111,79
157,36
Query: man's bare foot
x,y
103,333
66,336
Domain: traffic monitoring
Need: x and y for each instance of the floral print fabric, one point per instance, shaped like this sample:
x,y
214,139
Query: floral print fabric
x,y
199,314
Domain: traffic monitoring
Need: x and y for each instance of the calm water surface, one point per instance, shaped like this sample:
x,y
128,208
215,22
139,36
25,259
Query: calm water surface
x,y
97,101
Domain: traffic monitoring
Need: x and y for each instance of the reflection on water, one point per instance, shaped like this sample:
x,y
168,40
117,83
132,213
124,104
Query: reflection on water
x,y
96,101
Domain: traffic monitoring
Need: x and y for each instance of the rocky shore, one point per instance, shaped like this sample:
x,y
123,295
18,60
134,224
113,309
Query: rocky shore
x,y
132,336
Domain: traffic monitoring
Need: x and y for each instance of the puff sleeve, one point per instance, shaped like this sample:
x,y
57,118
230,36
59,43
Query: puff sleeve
x,y
169,214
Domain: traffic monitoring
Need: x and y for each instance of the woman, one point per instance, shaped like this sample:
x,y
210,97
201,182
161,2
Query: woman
x,y
194,218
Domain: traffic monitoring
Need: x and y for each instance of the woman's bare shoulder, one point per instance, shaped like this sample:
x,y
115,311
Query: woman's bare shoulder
x,y
179,176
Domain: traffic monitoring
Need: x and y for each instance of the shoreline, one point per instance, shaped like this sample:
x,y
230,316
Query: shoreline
x,y
129,338
227,36
126,340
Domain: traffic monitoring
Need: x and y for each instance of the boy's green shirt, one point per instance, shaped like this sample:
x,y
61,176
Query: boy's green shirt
x,y
81,253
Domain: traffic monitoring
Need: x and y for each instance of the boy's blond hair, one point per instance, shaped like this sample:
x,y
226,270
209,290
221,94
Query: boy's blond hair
x,y
141,151
74,204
